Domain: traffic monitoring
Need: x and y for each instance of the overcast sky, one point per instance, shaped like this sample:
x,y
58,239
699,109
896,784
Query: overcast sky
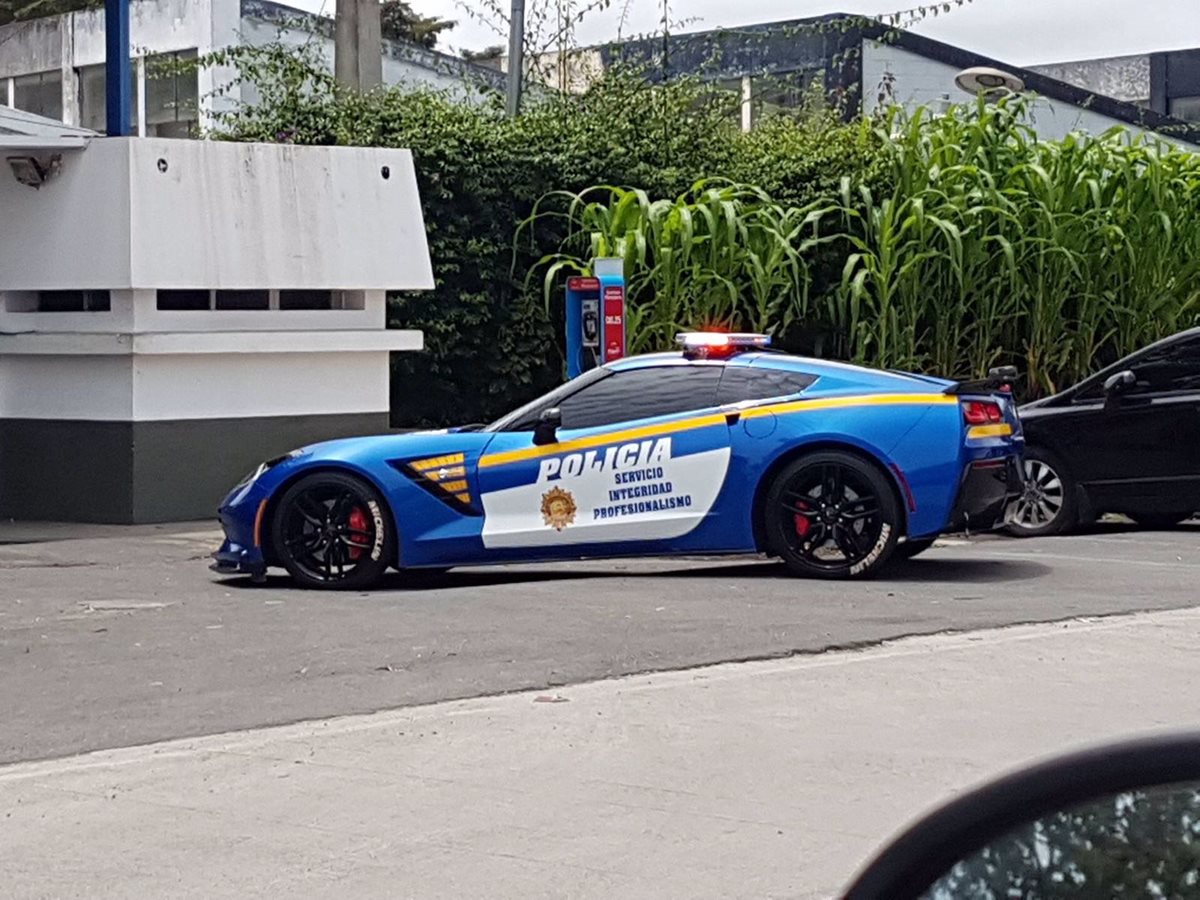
x,y
1017,31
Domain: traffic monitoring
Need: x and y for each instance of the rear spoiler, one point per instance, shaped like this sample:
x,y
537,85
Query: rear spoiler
x,y
1000,379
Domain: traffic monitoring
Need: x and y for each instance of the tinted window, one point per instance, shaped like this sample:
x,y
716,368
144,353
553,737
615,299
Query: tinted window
x,y
1175,367
740,383
524,418
640,394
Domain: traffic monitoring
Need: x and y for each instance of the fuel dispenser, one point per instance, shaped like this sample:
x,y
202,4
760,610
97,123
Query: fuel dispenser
x,y
596,317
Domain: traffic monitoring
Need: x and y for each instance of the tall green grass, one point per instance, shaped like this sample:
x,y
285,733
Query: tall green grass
x,y
985,246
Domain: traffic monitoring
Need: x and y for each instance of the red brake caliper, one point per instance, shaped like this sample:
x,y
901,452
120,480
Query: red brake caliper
x,y
360,523
801,523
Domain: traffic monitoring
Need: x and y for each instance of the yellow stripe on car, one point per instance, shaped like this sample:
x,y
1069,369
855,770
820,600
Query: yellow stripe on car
x,y
661,428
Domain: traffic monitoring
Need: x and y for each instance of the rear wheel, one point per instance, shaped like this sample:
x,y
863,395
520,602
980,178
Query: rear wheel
x,y
330,532
1047,505
910,548
832,515
1160,520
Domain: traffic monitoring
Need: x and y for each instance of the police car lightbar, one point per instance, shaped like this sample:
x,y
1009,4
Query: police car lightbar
x,y
703,344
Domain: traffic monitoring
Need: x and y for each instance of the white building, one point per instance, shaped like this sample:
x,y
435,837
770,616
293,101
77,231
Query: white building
x,y
54,66
164,326
860,65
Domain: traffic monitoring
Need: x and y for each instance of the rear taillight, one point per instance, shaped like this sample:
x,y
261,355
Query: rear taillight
x,y
982,412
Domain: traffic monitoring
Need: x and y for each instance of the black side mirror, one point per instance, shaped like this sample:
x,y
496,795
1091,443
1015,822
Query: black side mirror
x,y
546,430
1115,385
1130,805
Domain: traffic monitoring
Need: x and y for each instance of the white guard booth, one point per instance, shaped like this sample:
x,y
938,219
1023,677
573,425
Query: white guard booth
x,y
172,312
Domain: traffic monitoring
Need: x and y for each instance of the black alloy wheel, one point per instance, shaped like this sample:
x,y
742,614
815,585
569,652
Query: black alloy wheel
x,y
331,532
832,515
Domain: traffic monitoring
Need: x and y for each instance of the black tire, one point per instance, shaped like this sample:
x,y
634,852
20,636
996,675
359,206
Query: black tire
x,y
332,531
1160,521
850,535
1049,504
911,548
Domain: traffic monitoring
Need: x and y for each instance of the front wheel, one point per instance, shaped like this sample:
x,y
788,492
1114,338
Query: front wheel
x,y
331,532
832,515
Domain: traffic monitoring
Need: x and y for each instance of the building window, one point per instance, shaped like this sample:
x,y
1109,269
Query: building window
x,y
40,94
73,301
172,94
306,299
182,301
783,93
1186,108
93,113
243,300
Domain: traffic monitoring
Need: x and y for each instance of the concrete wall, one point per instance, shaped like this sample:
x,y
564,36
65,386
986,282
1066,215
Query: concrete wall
x,y
919,81
194,214
1120,77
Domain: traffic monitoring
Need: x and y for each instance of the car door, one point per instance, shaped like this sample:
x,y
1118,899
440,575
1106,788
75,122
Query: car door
x,y
641,456
1140,450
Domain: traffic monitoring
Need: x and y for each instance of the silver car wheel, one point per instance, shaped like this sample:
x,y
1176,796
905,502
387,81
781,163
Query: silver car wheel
x,y
1042,500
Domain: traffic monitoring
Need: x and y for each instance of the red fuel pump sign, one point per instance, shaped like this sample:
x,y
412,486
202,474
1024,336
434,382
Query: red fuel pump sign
x,y
614,323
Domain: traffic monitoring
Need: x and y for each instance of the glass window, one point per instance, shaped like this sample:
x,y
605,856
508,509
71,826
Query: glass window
x,y
172,94
243,300
640,394
306,299
40,94
741,383
1186,108
1169,369
74,301
783,92
93,111
184,300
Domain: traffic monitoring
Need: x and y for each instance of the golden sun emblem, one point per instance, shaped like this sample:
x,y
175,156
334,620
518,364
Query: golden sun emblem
x,y
558,508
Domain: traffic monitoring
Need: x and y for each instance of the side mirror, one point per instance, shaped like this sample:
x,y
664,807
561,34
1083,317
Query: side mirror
x,y
546,430
1100,823
1115,385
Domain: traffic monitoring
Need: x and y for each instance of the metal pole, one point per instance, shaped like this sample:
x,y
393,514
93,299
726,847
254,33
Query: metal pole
x,y
118,100
516,54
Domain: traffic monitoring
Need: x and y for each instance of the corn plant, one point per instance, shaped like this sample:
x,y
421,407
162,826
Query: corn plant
x,y
721,255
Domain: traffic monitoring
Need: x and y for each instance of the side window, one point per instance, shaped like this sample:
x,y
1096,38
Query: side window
x,y
1171,369
640,394
741,383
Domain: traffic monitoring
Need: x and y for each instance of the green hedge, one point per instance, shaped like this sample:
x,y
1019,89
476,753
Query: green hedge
x,y
491,342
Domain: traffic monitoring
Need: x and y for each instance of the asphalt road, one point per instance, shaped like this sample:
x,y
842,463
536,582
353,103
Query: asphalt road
x,y
122,636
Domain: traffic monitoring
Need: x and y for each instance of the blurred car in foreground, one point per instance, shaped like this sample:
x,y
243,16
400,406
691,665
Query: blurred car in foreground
x,y
1126,440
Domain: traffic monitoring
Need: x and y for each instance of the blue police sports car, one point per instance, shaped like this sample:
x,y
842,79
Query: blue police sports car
x,y
725,447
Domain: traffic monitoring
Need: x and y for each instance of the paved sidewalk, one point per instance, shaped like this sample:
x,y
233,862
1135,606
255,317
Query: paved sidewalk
x,y
749,780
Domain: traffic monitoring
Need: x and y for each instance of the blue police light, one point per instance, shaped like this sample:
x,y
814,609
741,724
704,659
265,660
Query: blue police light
x,y
710,344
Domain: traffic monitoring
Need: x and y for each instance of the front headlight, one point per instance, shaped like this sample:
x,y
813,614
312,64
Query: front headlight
x,y
269,464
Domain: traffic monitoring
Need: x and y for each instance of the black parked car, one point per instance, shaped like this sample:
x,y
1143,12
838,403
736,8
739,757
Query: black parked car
x,y
1126,440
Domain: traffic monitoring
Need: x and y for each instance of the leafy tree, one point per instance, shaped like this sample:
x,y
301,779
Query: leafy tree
x,y
401,22
21,10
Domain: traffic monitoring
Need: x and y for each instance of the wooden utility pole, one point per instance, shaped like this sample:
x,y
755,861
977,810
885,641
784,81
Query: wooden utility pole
x,y
357,44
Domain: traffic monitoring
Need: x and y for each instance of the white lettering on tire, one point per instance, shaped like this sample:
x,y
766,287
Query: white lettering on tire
x,y
377,515
885,532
